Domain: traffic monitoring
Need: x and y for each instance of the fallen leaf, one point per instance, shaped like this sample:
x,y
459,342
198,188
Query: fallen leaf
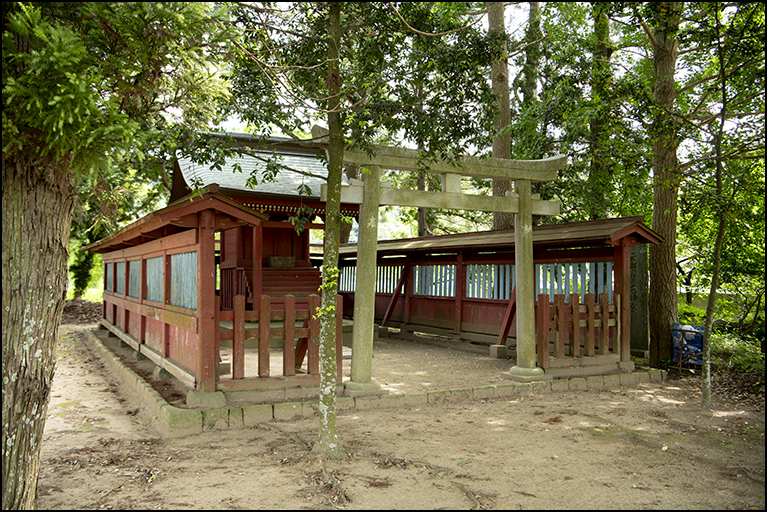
x,y
555,419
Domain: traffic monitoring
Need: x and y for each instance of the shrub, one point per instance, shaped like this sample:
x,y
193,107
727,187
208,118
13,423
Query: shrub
x,y
741,354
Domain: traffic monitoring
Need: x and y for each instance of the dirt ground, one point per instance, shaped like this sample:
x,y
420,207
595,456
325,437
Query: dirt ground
x,y
649,446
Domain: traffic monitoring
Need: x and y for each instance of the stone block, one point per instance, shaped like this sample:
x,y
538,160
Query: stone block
x,y
577,384
215,419
627,379
415,399
642,377
595,382
484,392
182,420
252,415
461,395
367,402
437,397
288,410
558,385
655,375
540,387
137,356
506,390
344,403
612,381
210,399
392,401
236,418
498,351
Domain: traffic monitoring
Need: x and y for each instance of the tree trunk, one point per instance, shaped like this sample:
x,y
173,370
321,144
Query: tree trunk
x,y
500,80
37,215
663,300
600,171
328,445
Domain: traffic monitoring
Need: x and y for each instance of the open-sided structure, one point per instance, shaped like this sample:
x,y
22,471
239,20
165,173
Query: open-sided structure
x,y
463,286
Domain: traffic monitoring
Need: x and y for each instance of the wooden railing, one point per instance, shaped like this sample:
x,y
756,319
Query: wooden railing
x,y
298,343
575,329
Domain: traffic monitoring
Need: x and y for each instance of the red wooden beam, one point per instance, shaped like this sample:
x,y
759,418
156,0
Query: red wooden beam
x,y
508,318
396,294
289,342
264,335
207,360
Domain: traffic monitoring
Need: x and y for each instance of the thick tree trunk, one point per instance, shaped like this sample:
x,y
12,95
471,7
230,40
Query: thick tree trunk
x,y
663,300
328,445
500,81
600,171
37,214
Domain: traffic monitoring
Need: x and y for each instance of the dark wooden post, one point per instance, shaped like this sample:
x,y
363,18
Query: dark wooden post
x,y
622,286
264,334
575,340
289,342
206,292
542,332
258,255
238,342
561,333
604,333
460,290
590,313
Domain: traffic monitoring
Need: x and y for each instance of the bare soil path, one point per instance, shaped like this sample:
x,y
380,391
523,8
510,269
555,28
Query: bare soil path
x,y
649,446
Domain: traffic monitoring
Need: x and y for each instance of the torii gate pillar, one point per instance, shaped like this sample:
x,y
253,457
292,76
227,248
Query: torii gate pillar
x,y
365,289
526,368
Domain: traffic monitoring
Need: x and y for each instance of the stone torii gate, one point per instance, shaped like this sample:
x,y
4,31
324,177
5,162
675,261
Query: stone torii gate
x,y
371,194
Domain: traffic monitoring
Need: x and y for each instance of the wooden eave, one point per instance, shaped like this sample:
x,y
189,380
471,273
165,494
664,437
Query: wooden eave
x,y
179,216
571,235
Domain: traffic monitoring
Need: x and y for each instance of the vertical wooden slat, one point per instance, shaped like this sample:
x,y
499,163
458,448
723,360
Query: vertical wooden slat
x,y
217,325
238,343
561,332
542,332
575,321
604,332
618,337
289,342
339,338
313,364
264,335
590,313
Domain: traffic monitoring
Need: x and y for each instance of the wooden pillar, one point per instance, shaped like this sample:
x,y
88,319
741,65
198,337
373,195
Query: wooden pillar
x,y
258,255
206,292
460,290
364,288
622,287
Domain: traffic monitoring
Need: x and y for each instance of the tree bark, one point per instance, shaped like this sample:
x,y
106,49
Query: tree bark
x,y
37,215
600,171
662,297
500,82
328,445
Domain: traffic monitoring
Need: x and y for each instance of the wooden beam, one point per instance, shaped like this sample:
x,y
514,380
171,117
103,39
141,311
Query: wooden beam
x,y
396,294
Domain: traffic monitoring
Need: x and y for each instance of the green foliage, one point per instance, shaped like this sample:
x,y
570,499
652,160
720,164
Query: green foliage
x,y
741,354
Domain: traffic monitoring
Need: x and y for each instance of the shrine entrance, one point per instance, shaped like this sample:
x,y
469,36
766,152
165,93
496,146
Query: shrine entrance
x,y
372,193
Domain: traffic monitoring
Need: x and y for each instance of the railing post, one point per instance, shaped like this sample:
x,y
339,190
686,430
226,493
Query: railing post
x,y
313,363
264,335
575,340
561,329
590,320
604,333
289,342
238,342
542,334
